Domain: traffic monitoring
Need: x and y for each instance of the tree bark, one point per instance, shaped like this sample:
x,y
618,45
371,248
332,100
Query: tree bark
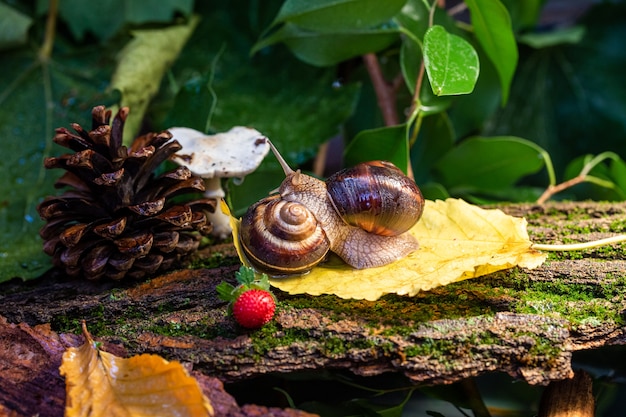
x,y
526,323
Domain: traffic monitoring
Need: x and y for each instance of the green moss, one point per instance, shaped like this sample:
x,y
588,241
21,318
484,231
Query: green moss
x,y
453,301
270,337
215,260
435,349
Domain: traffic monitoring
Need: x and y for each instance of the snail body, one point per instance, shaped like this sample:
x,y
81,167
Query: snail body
x,y
362,212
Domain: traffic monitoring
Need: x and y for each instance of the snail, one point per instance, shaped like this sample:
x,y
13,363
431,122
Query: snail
x,y
361,214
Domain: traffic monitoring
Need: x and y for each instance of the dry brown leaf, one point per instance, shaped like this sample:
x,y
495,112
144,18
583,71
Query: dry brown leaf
x,y
457,241
101,384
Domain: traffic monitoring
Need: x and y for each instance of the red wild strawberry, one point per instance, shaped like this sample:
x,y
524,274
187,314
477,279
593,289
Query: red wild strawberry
x,y
254,308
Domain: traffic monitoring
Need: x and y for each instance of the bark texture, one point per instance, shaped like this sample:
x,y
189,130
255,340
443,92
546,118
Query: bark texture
x,y
523,322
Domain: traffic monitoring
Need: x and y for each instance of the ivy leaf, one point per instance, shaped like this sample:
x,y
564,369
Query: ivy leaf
x,y
492,27
458,241
100,383
451,62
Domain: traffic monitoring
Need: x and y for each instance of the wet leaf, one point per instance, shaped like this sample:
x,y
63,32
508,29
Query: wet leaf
x,y
458,241
450,61
100,383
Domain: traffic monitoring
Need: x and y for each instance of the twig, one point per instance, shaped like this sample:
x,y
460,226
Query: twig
x,y
385,93
555,189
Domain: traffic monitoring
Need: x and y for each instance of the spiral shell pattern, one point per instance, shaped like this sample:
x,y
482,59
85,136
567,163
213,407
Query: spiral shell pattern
x,y
282,237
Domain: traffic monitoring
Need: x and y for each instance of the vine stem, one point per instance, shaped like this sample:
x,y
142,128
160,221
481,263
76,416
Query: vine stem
x,y
555,189
51,22
385,93
579,246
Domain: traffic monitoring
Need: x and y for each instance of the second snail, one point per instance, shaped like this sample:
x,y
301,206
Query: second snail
x,y
362,214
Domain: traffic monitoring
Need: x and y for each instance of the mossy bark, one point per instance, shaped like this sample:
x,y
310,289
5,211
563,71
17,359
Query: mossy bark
x,y
523,322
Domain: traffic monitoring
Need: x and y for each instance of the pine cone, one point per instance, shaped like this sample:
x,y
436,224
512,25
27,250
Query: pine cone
x,y
118,218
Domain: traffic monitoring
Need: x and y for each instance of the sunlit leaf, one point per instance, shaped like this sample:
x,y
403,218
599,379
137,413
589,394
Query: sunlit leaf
x,y
101,384
458,241
142,64
451,62
492,26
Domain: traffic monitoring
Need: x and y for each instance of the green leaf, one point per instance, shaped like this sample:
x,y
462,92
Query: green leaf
x,y
337,15
524,14
13,27
225,291
451,62
386,143
489,164
36,97
192,105
571,35
617,169
435,139
413,18
142,64
245,275
105,18
492,27
329,48
601,182
410,61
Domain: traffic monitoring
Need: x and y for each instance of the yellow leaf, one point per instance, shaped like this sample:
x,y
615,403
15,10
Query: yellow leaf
x,y
457,241
101,384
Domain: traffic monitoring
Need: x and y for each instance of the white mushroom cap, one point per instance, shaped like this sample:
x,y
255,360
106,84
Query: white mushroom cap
x,y
232,154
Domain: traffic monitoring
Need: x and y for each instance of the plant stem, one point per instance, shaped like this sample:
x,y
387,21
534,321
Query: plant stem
x,y
555,189
579,246
46,47
385,92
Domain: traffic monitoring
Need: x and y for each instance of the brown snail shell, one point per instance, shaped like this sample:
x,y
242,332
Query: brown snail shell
x,y
282,237
377,197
